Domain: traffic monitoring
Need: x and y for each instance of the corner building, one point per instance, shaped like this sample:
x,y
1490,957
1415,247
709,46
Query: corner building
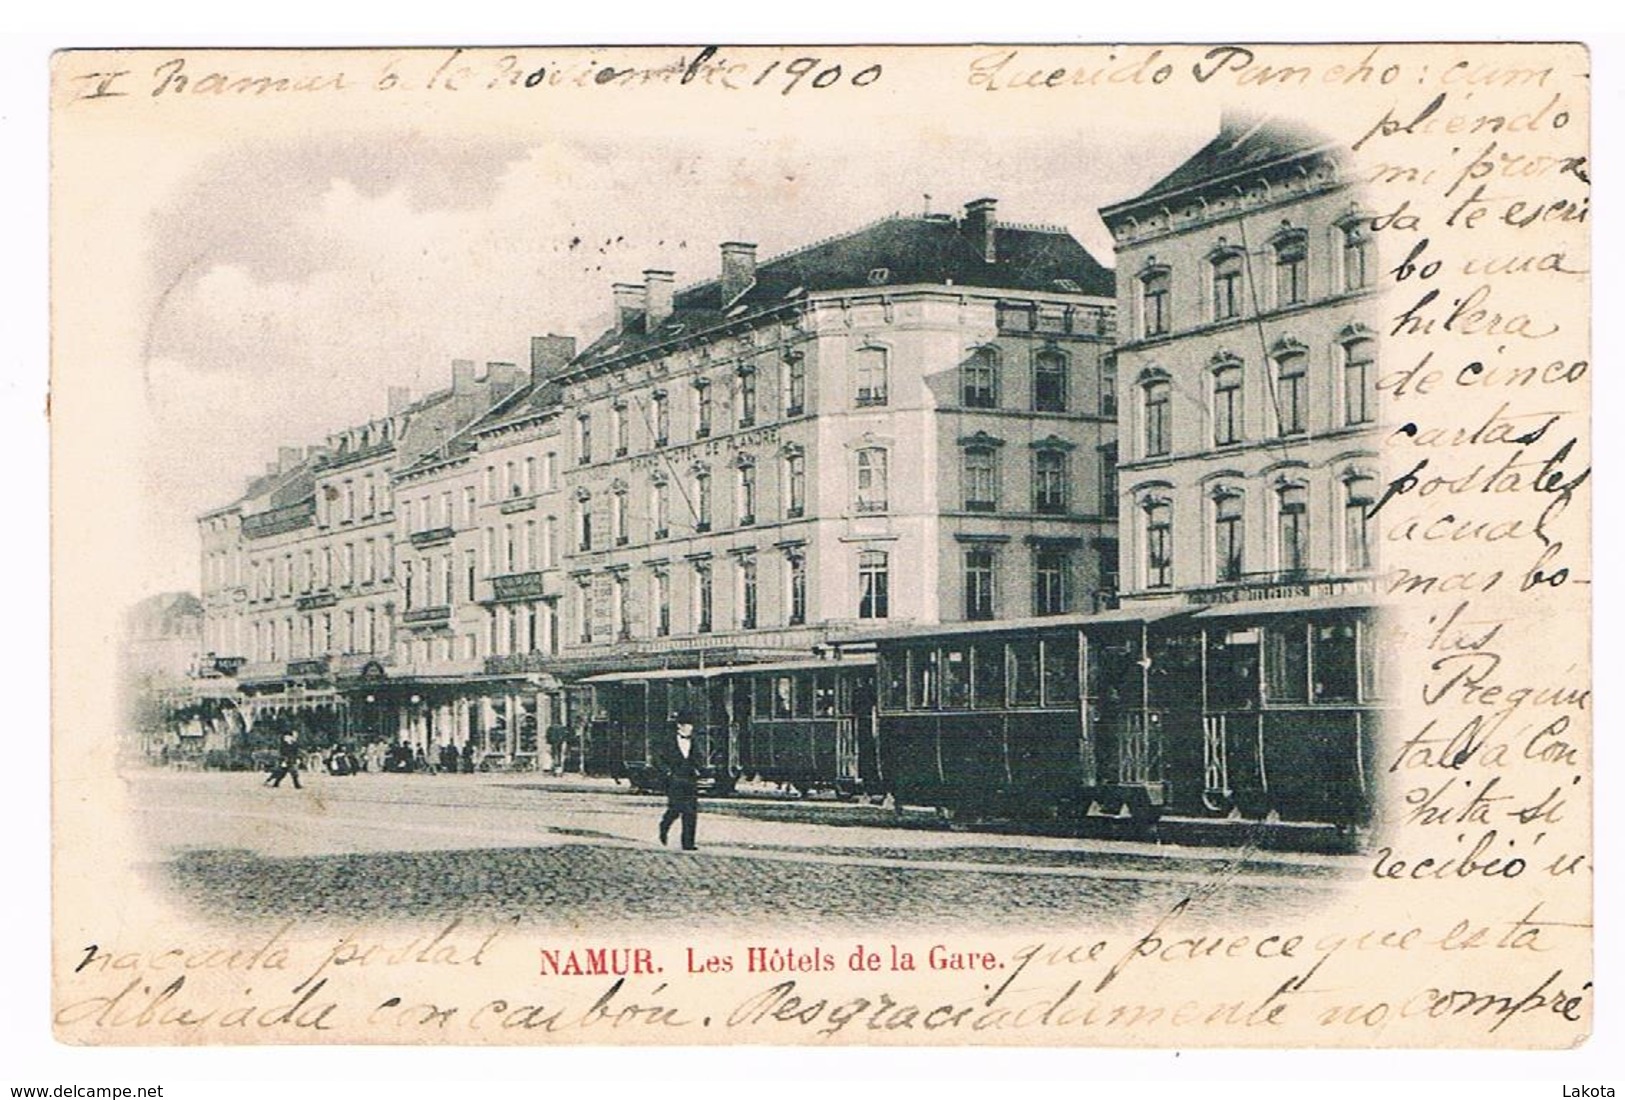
x,y
1249,452
909,423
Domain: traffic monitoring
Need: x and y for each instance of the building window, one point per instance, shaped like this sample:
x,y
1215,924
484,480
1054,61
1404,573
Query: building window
x,y
1291,392
369,498
533,546
550,541
1159,537
1049,482
979,380
510,550
584,611
1106,551
702,501
872,485
1292,270
618,428
1108,387
550,470
469,506
747,593
1158,395
584,525
470,572
660,507
1227,286
1050,568
797,562
1108,479
584,439
870,377
661,582
1049,382
747,495
531,486
1227,404
1227,537
702,409
702,597
795,385
1358,496
1359,372
981,479
1154,303
747,397
662,413
795,480
979,579
1356,254
1292,531
407,583
617,607
873,585
617,516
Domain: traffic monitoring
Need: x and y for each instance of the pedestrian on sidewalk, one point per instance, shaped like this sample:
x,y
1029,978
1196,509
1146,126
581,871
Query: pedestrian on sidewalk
x,y
681,765
287,761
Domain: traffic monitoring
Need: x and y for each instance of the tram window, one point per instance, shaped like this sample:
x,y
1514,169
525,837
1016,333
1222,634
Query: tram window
x,y
1060,670
891,672
1286,664
922,679
803,696
783,696
843,693
761,696
1377,642
1176,669
955,678
824,695
1335,662
988,669
1024,692
1232,669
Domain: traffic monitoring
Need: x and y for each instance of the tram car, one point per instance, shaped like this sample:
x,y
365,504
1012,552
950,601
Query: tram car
x,y
1262,711
806,724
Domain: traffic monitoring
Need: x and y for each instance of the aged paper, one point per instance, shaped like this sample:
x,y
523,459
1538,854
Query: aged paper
x,y
1113,520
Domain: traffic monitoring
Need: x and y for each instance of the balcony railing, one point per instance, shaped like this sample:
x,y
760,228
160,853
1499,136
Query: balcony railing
x,y
433,536
517,586
317,600
279,521
419,616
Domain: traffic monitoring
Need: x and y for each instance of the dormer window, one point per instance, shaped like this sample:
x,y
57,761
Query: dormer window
x,y
879,276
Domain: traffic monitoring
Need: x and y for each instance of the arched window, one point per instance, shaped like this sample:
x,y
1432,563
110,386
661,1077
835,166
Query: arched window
x,y
979,380
1292,392
1359,379
1156,318
747,593
1158,395
871,480
869,377
795,484
747,493
1227,403
660,507
1227,289
702,500
1359,491
1356,269
702,597
1049,381
747,397
1291,269
1159,537
1228,533
617,515
1292,529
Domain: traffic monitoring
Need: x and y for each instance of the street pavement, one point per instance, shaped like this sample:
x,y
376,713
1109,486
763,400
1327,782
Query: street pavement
x,y
539,850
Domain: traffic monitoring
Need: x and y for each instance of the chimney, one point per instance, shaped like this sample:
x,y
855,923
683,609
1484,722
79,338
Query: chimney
x,y
399,398
462,376
501,379
659,287
738,269
549,355
628,300
287,458
979,226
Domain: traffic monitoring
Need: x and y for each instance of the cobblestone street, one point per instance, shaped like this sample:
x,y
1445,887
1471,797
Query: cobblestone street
x,y
583,853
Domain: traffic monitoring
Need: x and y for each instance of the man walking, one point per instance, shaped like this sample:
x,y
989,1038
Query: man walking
x,y
287,760
682,767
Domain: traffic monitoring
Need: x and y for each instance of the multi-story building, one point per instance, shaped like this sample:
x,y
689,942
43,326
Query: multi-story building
x,y
912,422
479,579
299,589
1248,450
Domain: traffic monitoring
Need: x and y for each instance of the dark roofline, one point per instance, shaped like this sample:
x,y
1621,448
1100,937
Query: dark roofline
x,y
1164,198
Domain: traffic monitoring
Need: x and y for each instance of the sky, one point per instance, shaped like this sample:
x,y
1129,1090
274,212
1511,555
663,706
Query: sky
x,y
296,278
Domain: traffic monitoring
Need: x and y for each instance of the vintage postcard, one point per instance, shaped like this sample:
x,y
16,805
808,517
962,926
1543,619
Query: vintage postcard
x,y
699,545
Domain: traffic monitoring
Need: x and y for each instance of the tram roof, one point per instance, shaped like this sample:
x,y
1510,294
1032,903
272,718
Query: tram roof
x,y
1119,616
809,664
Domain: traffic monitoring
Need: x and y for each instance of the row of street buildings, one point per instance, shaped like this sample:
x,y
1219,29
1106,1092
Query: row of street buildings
x,y
930,419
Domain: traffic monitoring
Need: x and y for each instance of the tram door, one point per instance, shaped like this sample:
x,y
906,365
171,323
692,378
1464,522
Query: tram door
x,y
744,751
860,704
